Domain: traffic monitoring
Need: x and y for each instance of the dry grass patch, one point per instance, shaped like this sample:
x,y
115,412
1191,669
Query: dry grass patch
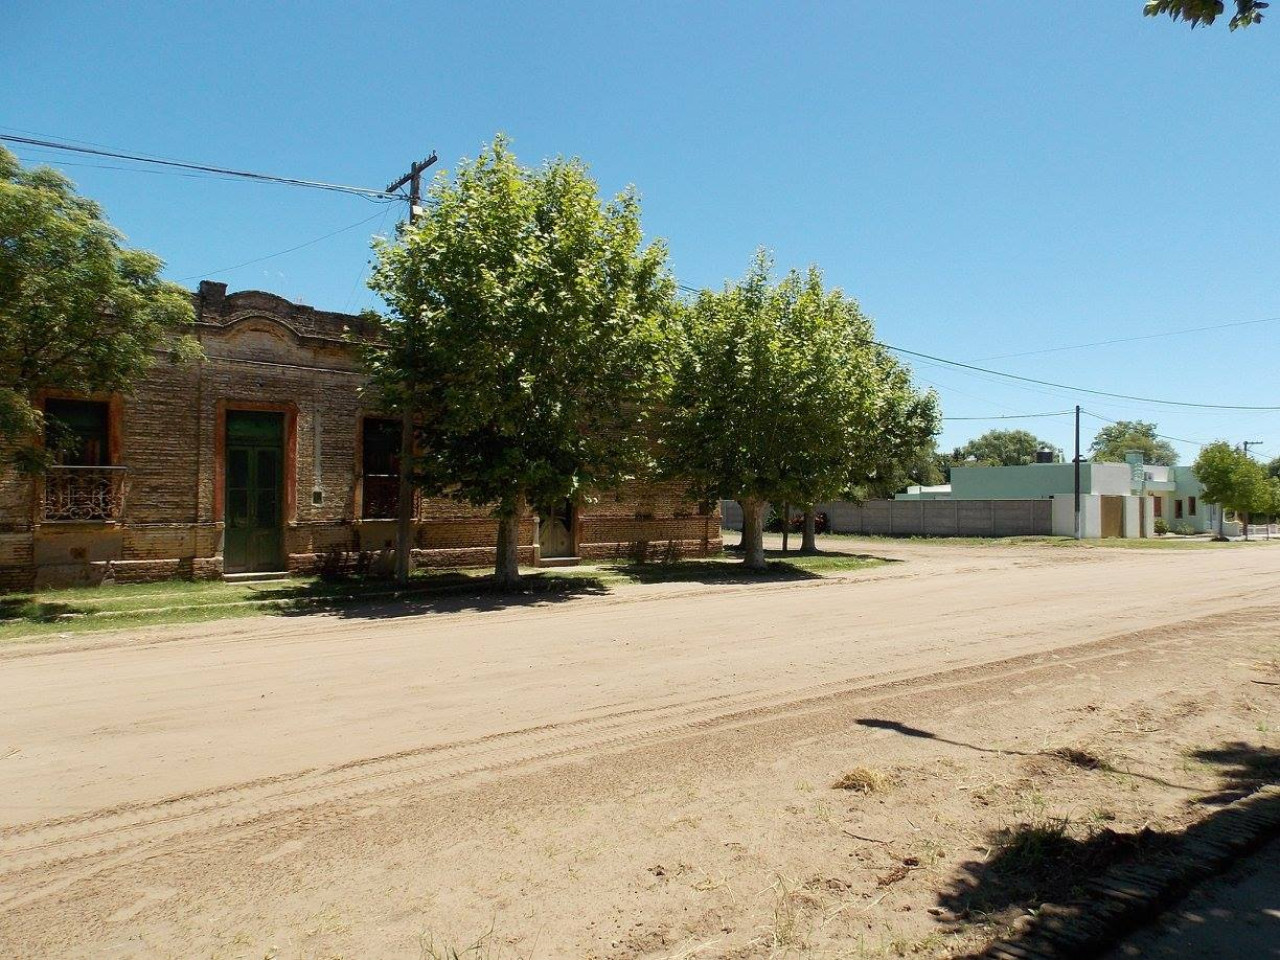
x,y
864,780
1080,757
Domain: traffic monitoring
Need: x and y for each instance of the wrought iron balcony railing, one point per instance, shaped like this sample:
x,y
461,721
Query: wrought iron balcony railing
x,y
83,493
382,497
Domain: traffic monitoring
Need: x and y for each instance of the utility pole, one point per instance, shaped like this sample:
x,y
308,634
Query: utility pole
x,y
1079,530
404,512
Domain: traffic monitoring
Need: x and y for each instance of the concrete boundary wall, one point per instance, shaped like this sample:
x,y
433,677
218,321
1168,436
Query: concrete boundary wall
x,y
928,518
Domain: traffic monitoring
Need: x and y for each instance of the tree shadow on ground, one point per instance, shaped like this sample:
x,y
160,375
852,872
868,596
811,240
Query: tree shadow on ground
x,y
1044,862
442,593
1051,860
1245,768
27,609
704,571
1075,756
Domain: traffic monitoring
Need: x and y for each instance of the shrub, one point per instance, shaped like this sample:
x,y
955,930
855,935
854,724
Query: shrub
x,y
773,522
1162,527
338,564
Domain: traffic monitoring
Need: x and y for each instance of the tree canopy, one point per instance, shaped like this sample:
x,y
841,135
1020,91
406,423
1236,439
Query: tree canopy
x,y
780,395
526,336
1116,439
1003,448
1233,480
1204,12
79,312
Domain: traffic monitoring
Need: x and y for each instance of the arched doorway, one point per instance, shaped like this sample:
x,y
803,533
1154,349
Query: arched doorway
x,y
555,531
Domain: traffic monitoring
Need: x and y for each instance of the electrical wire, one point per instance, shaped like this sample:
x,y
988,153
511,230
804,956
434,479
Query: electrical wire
x,y
201,167
1017,416
973,368
1069,387
1147,336
280,253
1194,443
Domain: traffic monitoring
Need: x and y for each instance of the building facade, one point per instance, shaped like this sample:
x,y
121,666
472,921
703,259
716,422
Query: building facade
x,y
1117,499
268,455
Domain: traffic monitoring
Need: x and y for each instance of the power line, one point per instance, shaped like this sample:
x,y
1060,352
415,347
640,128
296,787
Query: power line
x,y
280,253
1069,387
1194,443
1148,336
201,167
1017,416
973,368
109,166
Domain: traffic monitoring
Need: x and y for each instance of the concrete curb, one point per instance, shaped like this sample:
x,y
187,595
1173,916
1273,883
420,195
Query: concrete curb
x,y
1128,896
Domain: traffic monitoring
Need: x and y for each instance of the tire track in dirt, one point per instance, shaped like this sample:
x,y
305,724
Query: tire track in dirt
x,y
42,857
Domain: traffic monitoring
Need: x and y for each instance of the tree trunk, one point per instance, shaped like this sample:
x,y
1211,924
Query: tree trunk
x,y
810,542
786,525
506,573
1244,523
753,534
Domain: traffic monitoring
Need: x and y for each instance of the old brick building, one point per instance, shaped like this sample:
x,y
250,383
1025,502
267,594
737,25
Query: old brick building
x,y
265,456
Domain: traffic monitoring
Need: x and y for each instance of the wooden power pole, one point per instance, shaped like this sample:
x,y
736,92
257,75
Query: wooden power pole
x,y
404,513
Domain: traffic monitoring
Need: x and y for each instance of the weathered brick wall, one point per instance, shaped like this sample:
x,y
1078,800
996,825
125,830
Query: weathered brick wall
x,y
261,350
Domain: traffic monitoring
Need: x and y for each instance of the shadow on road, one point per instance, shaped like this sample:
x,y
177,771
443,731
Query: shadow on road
x,y
443,593
1052,860
1075,756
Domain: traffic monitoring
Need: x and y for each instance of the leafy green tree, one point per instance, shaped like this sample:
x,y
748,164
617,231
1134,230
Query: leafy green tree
x,y
1273,498
779,395
1116,439
78,311
1003,448
1273,468
1232,480
924,465
1204,12
527,329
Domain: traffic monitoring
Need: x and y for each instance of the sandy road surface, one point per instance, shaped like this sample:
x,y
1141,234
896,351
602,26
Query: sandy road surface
x,y
206,790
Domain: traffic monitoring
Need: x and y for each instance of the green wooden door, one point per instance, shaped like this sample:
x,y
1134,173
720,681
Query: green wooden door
x,y
254,493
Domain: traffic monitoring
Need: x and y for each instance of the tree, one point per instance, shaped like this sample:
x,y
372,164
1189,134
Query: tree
x,y
1116,439
1232,480
1204,12
1003,448
79,312
1273,468
779,395
1273,499
924,465
526,335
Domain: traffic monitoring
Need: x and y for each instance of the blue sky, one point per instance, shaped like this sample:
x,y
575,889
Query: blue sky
x,y
988,179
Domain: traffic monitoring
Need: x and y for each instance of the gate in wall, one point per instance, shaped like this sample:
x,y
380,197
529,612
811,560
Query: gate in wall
x,y
1112,516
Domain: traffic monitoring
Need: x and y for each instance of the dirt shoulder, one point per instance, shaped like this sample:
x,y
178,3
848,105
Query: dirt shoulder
x,y
639,775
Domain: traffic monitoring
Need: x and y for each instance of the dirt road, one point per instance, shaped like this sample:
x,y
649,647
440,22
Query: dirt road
x,y
598,776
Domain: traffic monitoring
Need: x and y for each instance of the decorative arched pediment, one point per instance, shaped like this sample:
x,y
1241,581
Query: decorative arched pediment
x,y
260,338
253,321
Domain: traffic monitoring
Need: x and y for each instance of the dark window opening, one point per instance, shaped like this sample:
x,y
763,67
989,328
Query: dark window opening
x,y
1191,506
76,432
1158,503
1177,509
380,467
81,486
